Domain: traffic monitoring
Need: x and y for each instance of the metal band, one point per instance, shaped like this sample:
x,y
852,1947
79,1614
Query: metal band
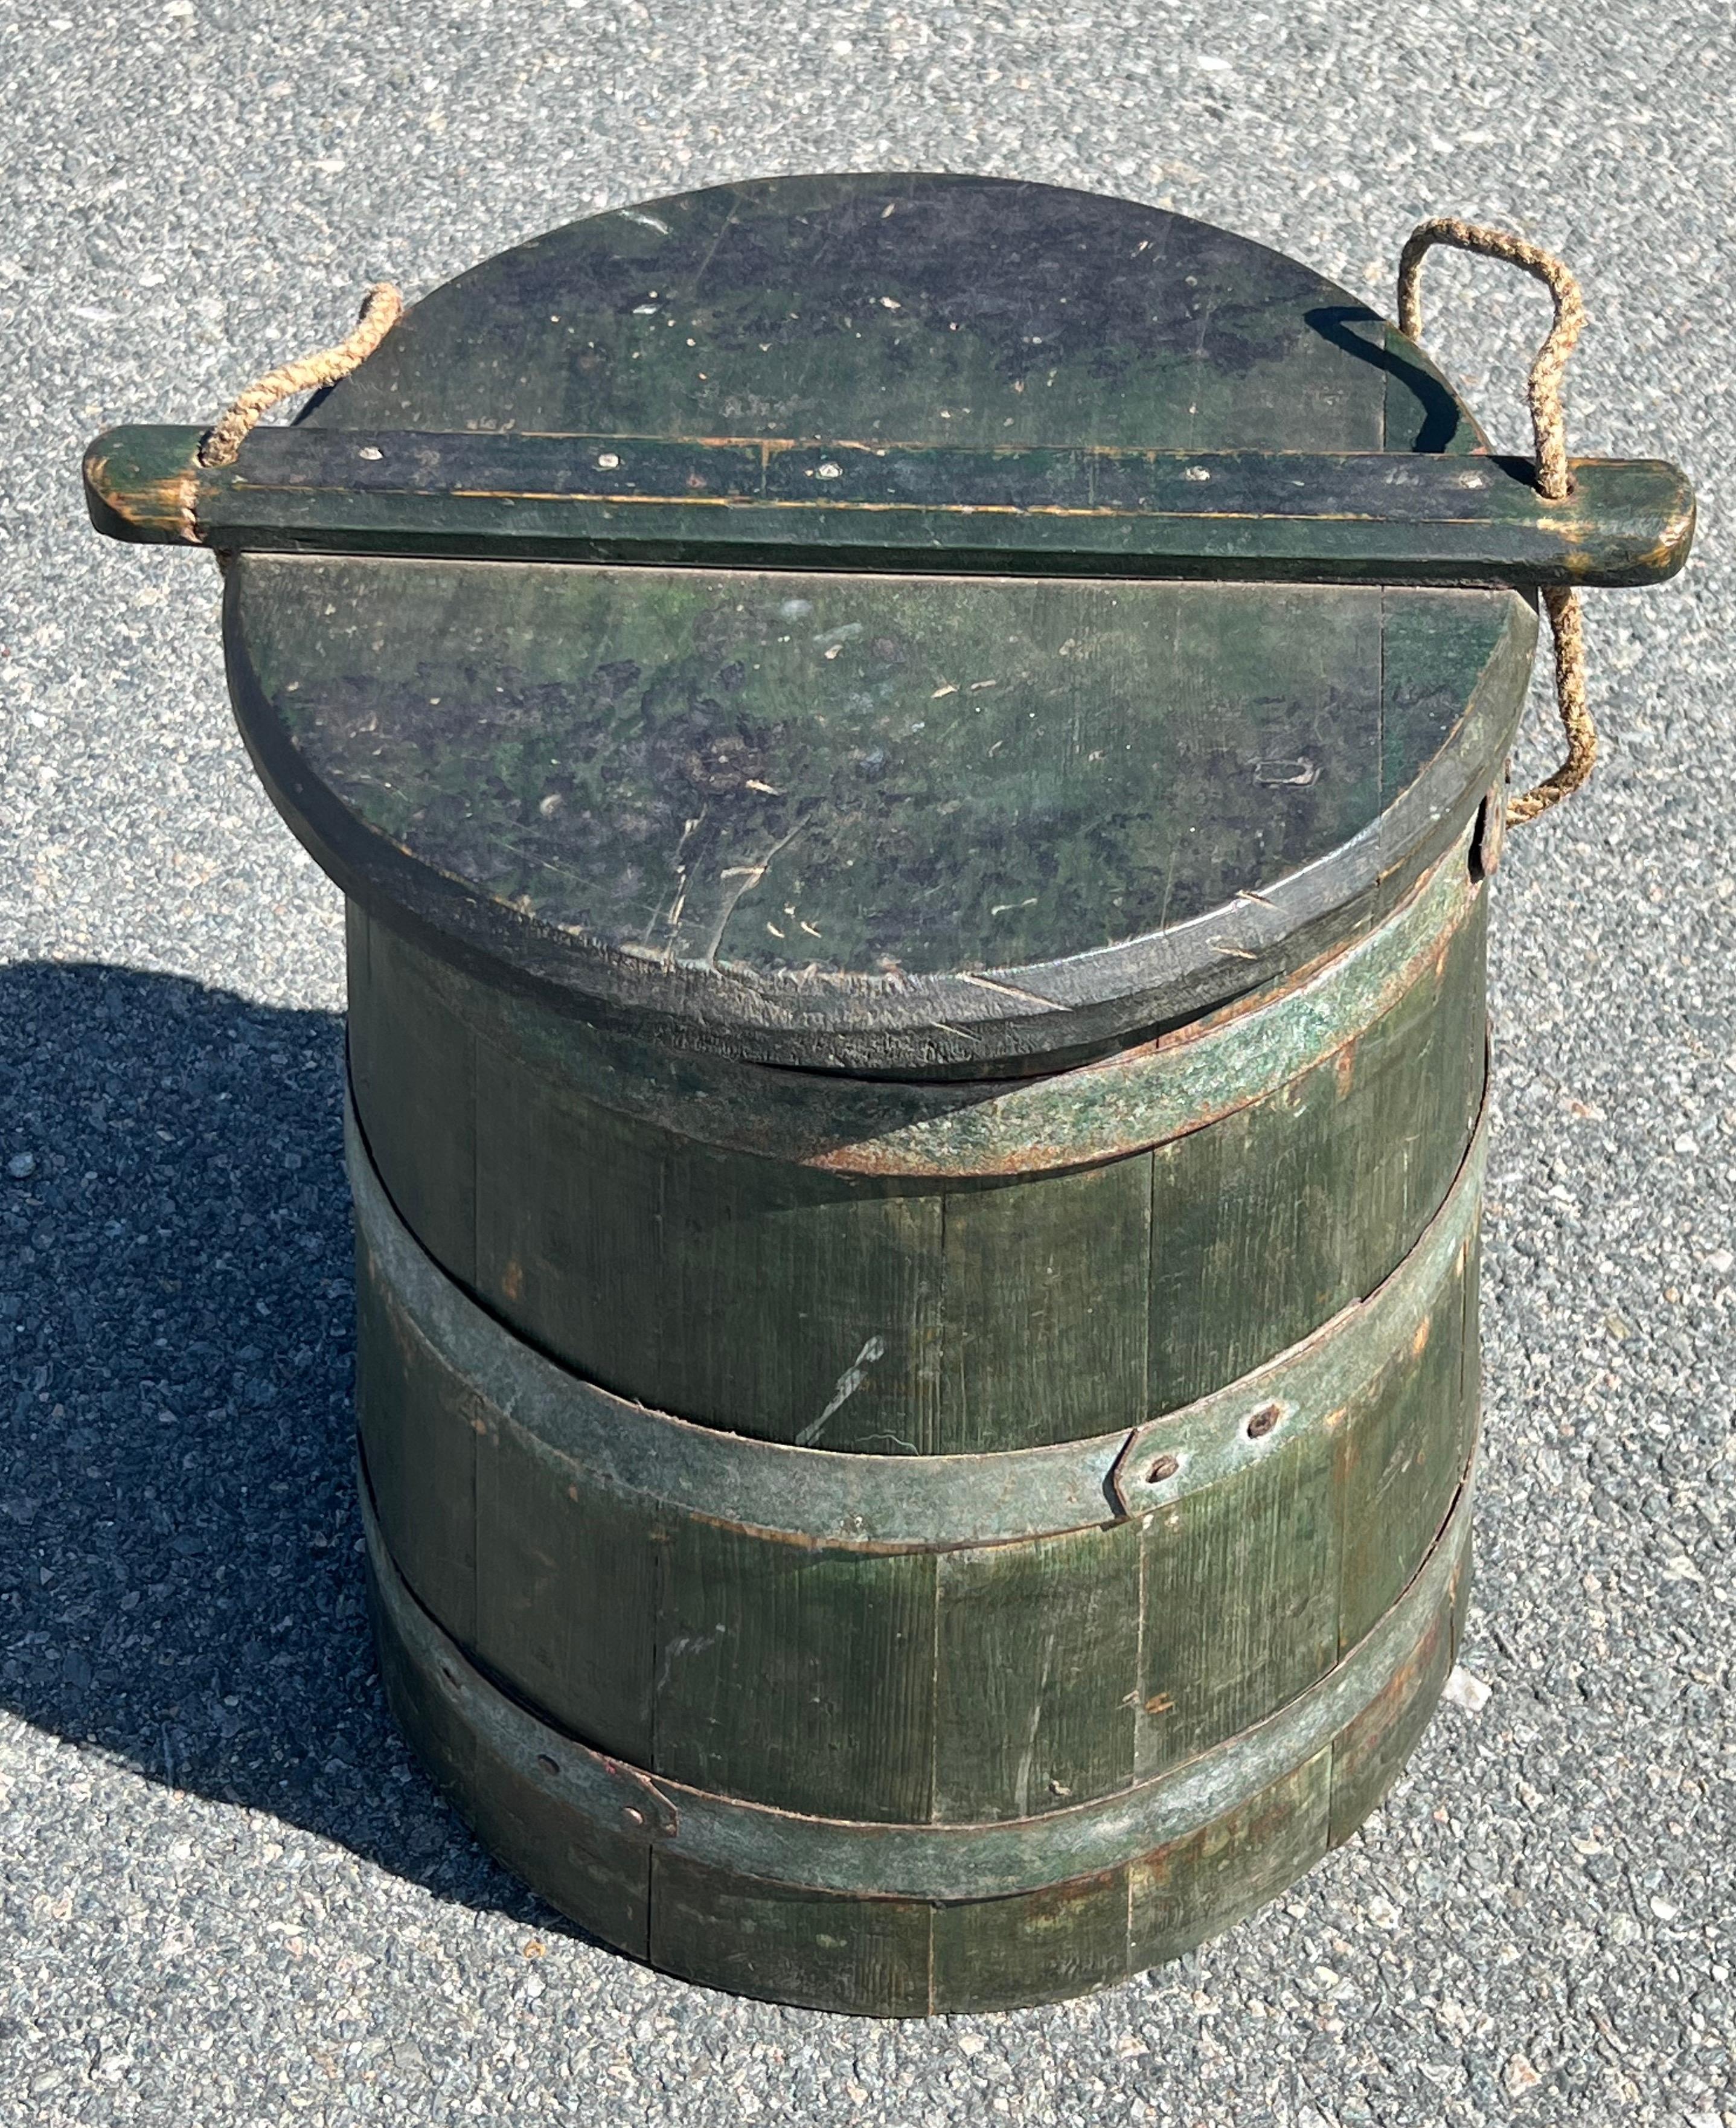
x,y
603,1795
905,1503
1140,1097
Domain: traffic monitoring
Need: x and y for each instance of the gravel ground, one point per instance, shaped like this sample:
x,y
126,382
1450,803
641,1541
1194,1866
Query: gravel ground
x,y
228,1897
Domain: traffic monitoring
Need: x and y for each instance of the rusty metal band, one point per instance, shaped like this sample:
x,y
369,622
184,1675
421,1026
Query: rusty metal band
x,y
607,1796
1122,1103
907,1502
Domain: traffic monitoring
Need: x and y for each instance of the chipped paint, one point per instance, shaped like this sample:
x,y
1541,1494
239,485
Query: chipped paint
x,y
848,1382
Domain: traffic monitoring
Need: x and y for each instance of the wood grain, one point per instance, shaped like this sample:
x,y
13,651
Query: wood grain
x,y
1037,1661
1240,1600
899,1317
418,1426
972,836
567,1582
1197,1886
800,1676
1034,1947
1044,1315
580,1867
739,1291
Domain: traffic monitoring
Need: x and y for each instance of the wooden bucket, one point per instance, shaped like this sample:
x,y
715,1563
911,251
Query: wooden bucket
x,y
914,763
949,1678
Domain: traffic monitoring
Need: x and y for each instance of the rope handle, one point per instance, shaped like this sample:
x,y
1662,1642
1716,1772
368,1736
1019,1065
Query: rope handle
x,y
1554,476
221,444
381,308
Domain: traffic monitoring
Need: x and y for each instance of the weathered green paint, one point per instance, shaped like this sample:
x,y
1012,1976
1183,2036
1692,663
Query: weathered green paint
x,y
1033,1641
972,835
1043,1327
899,1859
933,309
1041,1945
1273,1218
566,1587
1402,1447
414,1073
768,398
419,1419
1240,1595
588,1441
823,1951
801,1676
920,1315
586,1866
730,1290
1237,1553
1307,1386
964,1918
1198,1885
1374,517
1371,1752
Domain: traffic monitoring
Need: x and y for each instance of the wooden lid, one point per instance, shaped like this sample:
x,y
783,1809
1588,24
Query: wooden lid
x,y
870,821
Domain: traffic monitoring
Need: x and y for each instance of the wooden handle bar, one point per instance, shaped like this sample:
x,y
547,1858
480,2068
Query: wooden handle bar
x,y
1370,517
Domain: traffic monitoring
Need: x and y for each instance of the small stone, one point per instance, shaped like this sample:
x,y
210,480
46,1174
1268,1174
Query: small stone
x,y
1464,1690
20,1165
1662,1908
971,2043
1519,2077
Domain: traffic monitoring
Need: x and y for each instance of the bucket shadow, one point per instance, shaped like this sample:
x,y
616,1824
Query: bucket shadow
x,y
180,1561
1422,413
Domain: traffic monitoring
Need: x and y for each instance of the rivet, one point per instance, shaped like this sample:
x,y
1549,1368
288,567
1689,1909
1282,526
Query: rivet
x,y
633,1816
547,1763
370,451
1165,1466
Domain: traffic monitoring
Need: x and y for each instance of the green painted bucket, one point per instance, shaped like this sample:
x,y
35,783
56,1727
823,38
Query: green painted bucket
x,y
917,1057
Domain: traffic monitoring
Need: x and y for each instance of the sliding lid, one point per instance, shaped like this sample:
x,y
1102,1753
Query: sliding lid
x,y
915,742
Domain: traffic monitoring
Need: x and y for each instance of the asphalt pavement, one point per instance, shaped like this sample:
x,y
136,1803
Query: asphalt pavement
x,y
226,1895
